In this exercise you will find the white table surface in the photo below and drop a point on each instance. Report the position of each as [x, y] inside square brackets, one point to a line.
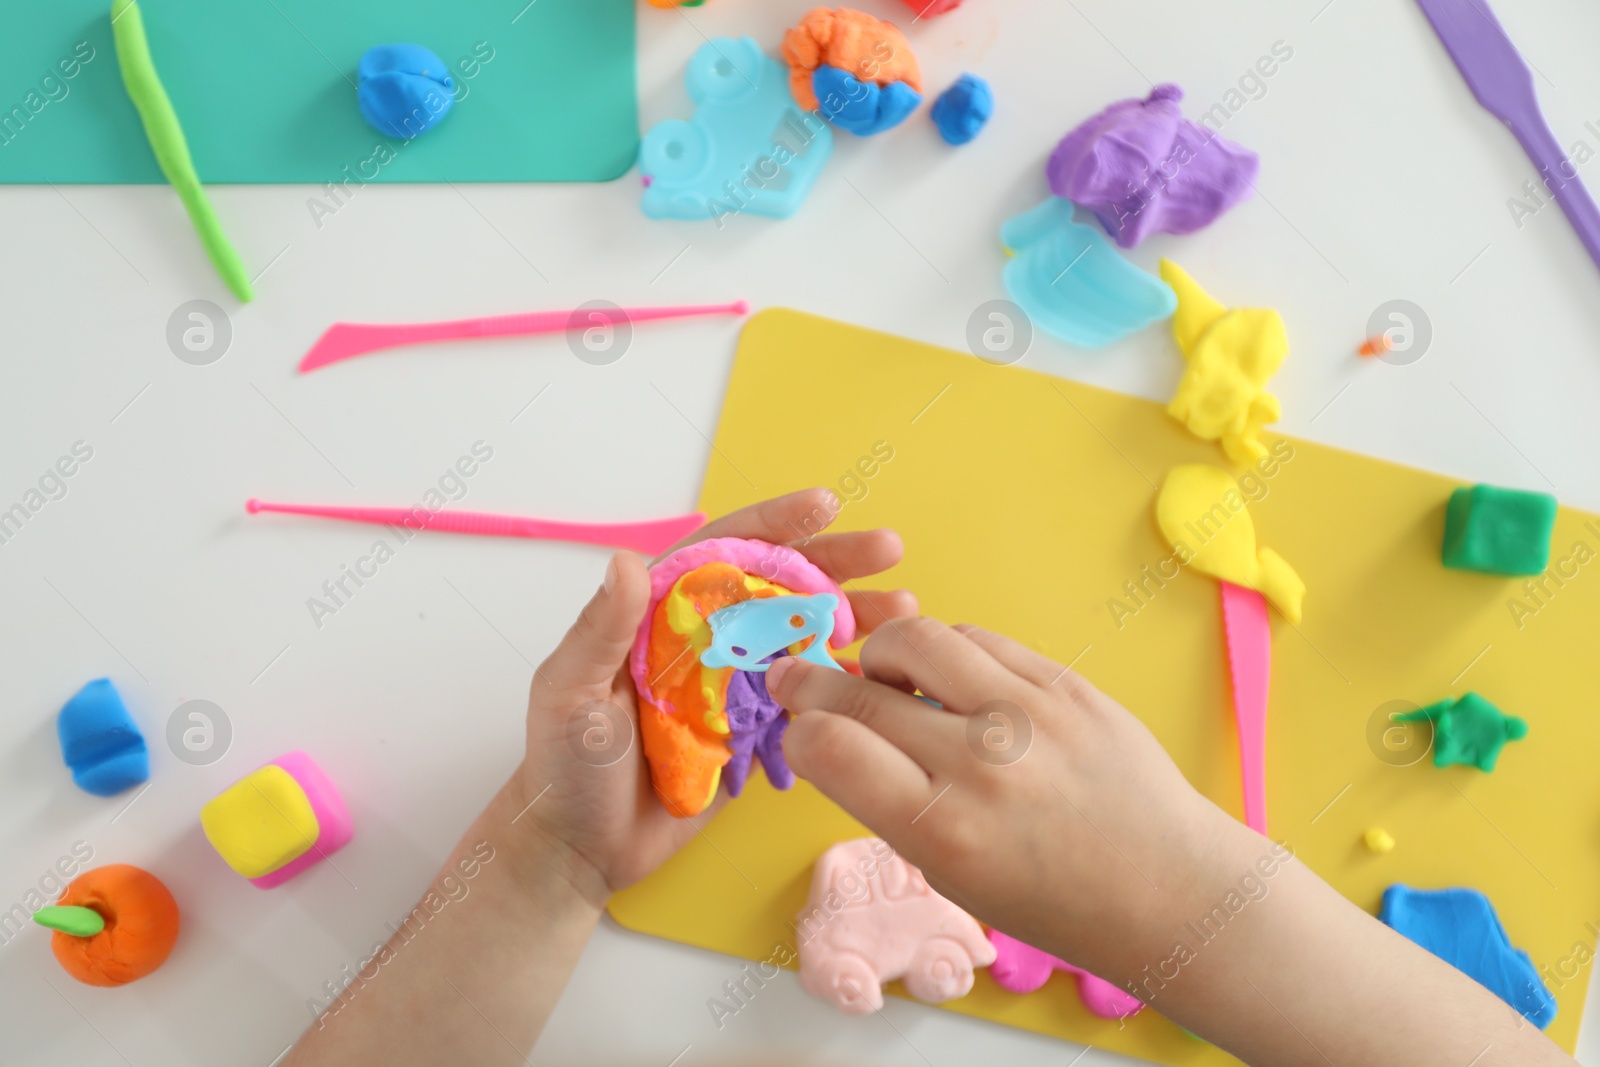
[1381, 179]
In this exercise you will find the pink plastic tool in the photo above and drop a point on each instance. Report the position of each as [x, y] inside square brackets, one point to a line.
[650, 538]
[1020, 968]
[1244, 619]
[343, 340]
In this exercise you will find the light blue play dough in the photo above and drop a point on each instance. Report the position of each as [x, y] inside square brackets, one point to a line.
[862, 108]
[961, 110]
[1073, 284]
[100, 743]
[403, 89]
[749, 146]
[1460, 927]
[746, 634]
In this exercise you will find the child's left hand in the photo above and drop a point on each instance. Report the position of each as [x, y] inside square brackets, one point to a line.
[583, 793]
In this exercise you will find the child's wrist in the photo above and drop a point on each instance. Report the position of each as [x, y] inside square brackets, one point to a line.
[540, 864]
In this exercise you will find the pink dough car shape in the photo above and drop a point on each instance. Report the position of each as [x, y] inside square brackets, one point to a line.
[1021, 968]
[872, 918]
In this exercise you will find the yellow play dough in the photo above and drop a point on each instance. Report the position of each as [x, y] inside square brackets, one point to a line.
[1379, 840]
[1203, 515]
[261, 822]
[1231, 355]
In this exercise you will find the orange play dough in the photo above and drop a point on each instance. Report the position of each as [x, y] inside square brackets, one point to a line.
[868, 48]
[141, 926]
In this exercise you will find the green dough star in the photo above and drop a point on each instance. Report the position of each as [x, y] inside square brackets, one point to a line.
[1469, 731]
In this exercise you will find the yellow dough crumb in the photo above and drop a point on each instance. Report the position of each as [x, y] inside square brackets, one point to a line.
[1378, 840]
[1231, 354]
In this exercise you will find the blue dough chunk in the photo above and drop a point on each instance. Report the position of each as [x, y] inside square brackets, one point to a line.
[862, 108]
[1460, 927]
[100, 743]
[404, 89]
[963, 109]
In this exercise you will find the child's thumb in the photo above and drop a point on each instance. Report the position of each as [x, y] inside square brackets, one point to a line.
[596, 647]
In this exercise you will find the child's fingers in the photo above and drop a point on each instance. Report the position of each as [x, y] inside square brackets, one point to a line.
[783, 518]
[862, 772]
[921, 732]
[1035, 667]
[592, 652]
[874, 607]
[940, 663]
[853, 554]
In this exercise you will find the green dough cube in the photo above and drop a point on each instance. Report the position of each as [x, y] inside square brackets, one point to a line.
[1498, 531]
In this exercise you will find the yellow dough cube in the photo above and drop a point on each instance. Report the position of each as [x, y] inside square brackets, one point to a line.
[261, 822]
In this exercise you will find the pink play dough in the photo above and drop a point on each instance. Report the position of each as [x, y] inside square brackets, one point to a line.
[333, 819]
[872, 918]
[1021, 968]
[779, 564]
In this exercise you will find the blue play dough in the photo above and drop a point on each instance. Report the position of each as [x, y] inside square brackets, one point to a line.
[1460, 927]
[1073, 284]
[749, 147]
[404, 89]
[748, 634]
[961, 110]
[100, 743]
[862, 108]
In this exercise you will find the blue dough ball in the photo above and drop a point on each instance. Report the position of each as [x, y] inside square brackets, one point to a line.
[100, 743]
[862, 108]
[404, 89]
[963, 109]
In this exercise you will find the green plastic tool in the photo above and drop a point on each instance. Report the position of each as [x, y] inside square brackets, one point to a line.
[165, 134]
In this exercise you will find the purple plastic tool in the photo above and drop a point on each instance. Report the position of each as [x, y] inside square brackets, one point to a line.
[1499, 77]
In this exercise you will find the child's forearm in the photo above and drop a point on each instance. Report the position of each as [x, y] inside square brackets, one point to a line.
[470, 976]
[1275, 966]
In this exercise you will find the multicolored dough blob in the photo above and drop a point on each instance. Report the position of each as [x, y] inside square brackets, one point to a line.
[1206, 520]
[1143, 168]
[694, 720]
[1231, 355]
[878, 82]
[138, 925]
[871, 918]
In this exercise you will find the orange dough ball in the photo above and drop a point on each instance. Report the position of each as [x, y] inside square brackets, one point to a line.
[141, 926]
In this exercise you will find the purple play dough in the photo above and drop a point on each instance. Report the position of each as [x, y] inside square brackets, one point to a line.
[756, 724]
[1143, 168]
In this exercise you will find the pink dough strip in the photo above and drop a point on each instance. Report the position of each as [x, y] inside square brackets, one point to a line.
[343, 340]
[649, 537]
[1244, 618]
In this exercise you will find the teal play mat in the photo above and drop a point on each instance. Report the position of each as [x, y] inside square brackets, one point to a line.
[265, 90]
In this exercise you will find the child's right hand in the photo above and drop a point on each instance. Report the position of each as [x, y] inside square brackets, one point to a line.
[1088, 842]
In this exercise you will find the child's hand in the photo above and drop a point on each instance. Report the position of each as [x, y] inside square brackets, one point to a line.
[1089, 844]
[583, 790]
[1031, 798]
